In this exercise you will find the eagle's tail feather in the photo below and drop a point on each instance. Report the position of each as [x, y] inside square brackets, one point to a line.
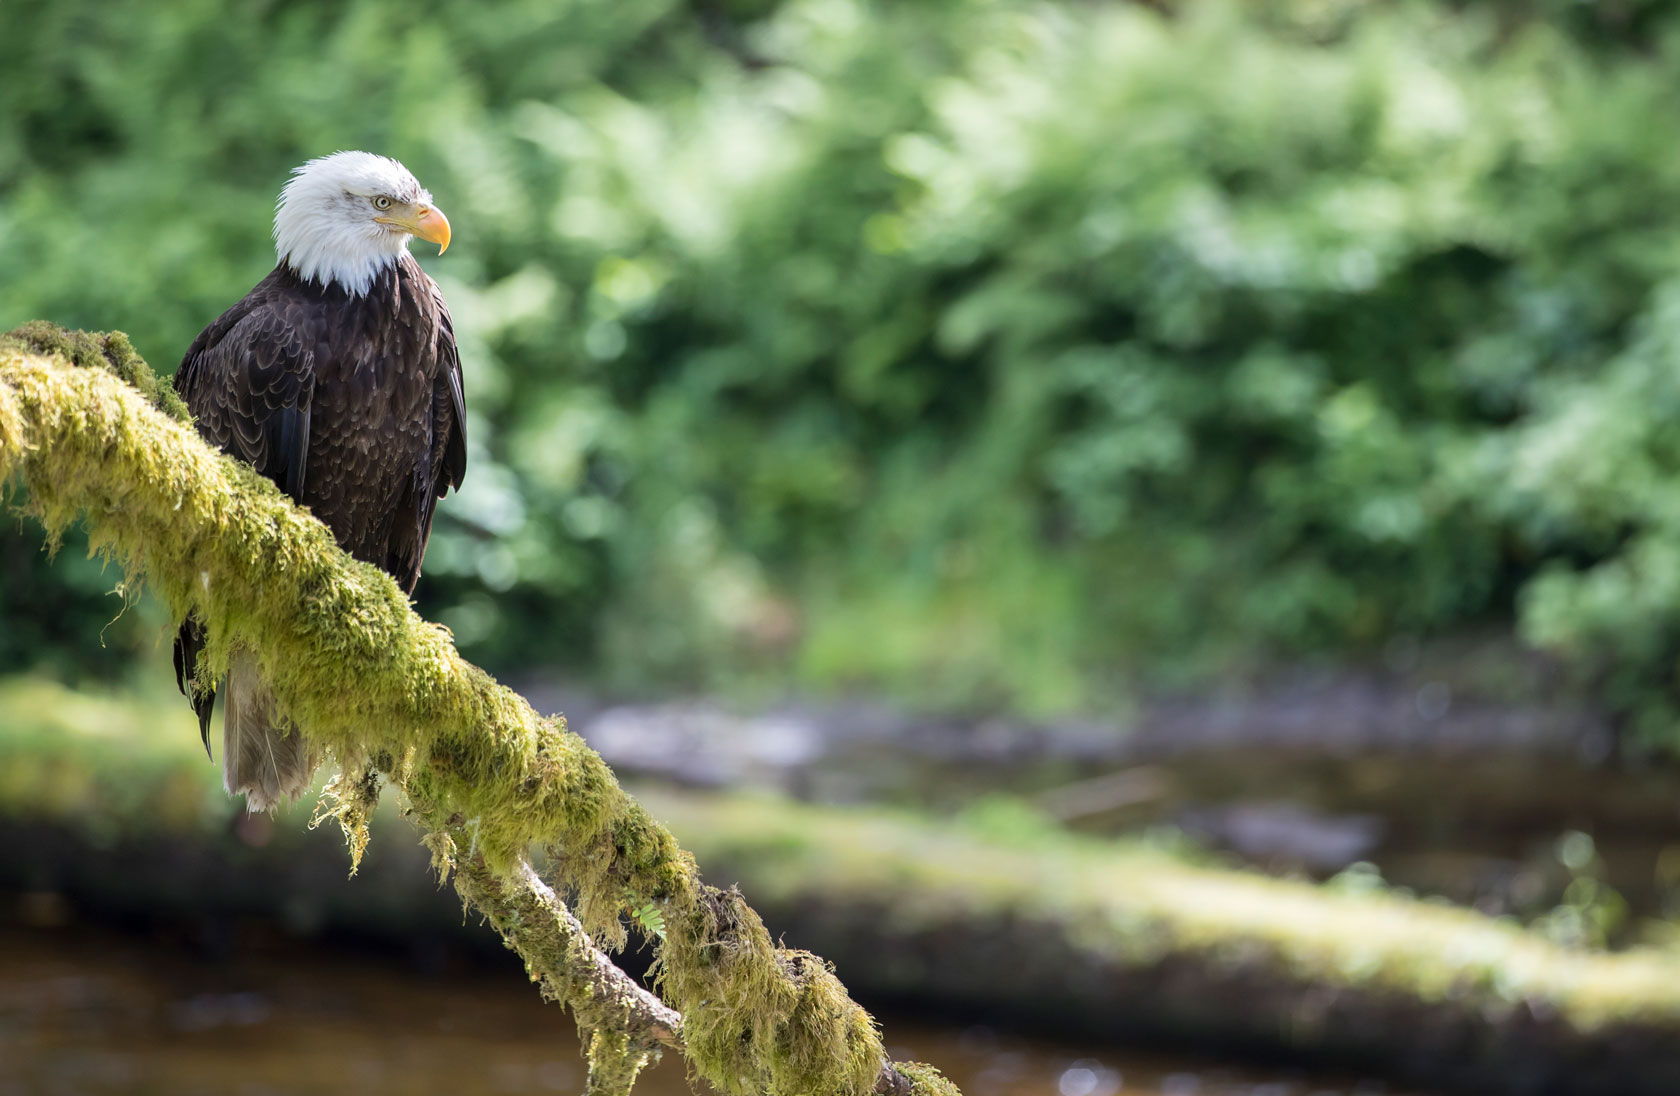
[261, 757]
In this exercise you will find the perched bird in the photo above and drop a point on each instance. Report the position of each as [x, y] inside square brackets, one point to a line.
[337, 377]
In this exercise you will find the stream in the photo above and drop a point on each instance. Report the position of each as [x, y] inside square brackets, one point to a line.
[89, 1012]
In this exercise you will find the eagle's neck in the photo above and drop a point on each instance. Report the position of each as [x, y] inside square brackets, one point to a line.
[322, 251]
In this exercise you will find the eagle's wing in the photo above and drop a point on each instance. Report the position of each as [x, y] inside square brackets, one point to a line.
[248, 379]
[448, 464]
[452, 468]
[250, 392]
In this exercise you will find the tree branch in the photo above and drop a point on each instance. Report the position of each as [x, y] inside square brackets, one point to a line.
[386, 693]
[573, 971]
[559, 955]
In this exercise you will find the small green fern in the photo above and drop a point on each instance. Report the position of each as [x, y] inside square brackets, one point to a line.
[645, 913]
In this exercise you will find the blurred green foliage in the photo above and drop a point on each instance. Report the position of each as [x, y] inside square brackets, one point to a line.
[981, 352]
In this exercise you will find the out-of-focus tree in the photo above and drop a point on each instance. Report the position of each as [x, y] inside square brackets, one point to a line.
[985, 352]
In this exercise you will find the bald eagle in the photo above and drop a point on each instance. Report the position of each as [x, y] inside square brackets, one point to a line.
[337, 377]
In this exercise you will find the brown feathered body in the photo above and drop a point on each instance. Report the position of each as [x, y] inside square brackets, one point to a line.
[352, 404]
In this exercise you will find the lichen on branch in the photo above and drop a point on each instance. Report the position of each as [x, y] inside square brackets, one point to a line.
[90, 433]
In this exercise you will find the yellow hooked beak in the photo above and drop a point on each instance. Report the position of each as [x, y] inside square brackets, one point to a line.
[426, 222]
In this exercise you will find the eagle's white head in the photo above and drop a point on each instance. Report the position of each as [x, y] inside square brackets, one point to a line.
[343, 218]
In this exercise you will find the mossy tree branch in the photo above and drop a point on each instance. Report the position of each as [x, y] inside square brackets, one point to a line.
[624, 1025]
[386, 694]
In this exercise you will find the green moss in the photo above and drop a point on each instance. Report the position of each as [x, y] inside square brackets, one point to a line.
[98, 350]
[783, 1008]
[614, 1063]
[385, 694]
[927, 1081]
[1140, 907]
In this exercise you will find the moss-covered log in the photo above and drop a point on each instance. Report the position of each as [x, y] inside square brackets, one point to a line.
[90, 433]
[1006, 914]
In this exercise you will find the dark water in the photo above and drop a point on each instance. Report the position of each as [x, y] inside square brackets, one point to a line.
[88, 1014]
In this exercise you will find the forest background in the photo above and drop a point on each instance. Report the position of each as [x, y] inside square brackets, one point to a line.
[983, 355]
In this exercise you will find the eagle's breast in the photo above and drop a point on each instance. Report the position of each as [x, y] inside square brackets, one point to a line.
[371, 436]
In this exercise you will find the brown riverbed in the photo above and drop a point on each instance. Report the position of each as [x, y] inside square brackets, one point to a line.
[86, 1012]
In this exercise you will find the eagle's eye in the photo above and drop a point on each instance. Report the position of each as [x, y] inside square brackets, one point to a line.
[382, 202]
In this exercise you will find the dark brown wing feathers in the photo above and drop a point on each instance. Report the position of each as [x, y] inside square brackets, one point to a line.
[248, 380]
[453, 467]
[352, 405]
